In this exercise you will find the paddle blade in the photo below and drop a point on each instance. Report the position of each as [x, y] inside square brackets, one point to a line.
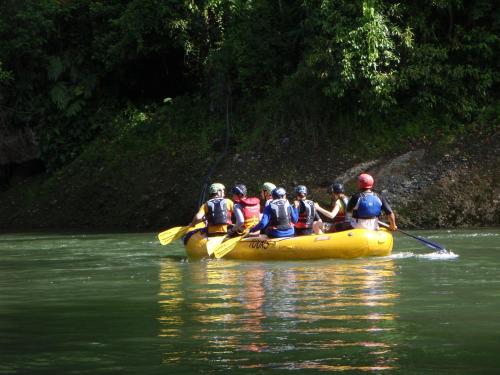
[172, 234]
[425, 241]
[213, 242]
[226, 247]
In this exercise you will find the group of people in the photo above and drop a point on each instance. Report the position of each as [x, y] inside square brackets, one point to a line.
[280, 218]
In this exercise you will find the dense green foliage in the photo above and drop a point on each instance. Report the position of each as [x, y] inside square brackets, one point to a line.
[74, 69]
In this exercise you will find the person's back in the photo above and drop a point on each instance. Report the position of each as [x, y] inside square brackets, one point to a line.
[366, 206]
[278, 216]
[306, 211]
[216, 211]
[246, 210]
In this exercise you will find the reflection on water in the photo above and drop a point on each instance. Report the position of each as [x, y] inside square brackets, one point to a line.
[327, 316]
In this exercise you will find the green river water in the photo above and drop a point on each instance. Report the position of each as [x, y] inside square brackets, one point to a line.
[123, 304]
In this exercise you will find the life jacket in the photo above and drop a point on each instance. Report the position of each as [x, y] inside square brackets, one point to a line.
[251, 211]
[341, 215]
[368, 206]
[218, 213]
[307, 212]
[280, 214]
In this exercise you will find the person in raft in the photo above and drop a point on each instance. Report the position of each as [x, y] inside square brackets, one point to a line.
[306, 210]
[246, 210]
[366, 206]
[338, 219]
[278, 216]
[216, 211]
[266, 192]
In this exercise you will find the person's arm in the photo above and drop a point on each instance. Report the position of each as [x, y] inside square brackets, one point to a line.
[264, 220]
[392, 221]
[240, 219]
[230, 205]
[200, 215]
[386, 208]
[351, 204]
[294, 214]
[327, 213]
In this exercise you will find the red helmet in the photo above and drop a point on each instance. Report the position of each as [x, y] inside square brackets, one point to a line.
[365, 181]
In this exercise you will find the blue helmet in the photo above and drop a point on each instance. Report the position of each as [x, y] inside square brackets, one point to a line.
[301, 189]
[278, 193]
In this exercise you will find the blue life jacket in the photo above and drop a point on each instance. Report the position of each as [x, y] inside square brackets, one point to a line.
[368, 206]
[280, 214]
[217, 211]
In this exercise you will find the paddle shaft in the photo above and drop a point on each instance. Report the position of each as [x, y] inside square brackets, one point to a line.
[428, 243]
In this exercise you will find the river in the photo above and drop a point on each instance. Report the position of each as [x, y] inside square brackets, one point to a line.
[123, 304]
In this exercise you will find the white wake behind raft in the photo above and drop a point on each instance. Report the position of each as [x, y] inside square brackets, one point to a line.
[437, 255]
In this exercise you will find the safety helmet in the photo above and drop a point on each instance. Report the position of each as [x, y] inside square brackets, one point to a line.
[239, 189]
[268, 186]
[365, 181]
[278, 193]
[301, 189]
[336, 188]
[214, 188]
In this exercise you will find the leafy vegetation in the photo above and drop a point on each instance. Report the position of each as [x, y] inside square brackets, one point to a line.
[377, 72]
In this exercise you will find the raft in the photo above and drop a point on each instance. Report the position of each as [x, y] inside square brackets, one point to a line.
[348, 244]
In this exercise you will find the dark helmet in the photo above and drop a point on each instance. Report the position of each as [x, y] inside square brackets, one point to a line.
[301, 189]
[336, 188]
[278, 193]
[239, 189]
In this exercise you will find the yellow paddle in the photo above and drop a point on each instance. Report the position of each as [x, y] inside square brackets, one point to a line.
[172, 234]
[213, 242]
[227, 246]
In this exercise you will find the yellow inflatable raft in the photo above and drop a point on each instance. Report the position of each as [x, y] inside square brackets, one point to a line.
[352, 243]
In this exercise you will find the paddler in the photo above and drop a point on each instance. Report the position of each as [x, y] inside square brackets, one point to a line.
[278, 216]
[338, 215]
[306, 210]
[366, 206]
[246, 210]
[216, 211]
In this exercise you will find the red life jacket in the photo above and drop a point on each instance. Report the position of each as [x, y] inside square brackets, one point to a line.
[251, 210]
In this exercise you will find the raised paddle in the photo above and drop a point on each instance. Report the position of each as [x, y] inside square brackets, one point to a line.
[227, 246]
[426, 242]
[172, 234]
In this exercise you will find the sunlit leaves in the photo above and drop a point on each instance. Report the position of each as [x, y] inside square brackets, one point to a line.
[357, 52]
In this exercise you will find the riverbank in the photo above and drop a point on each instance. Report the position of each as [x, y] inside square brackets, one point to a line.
[438, 185]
